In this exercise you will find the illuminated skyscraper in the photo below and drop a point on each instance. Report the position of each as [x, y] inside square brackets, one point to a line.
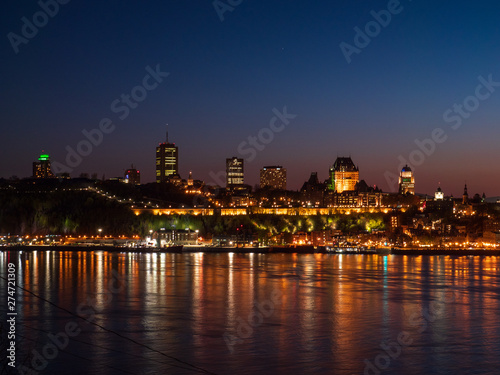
[234, 172]
[344, 175]
[274, 177]
[132, 176]
[167, 161]
[406, 181]
[41, 168]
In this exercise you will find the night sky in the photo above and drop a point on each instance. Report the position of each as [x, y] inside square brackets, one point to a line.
[226, 78]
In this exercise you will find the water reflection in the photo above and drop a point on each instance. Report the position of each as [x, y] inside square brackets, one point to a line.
[286, 313]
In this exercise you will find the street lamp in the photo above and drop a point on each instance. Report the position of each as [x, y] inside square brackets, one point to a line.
[100, 231]
[197, 231]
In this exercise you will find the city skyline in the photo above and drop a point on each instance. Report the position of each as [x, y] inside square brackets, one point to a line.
[343, 174]
[227, 81]
[250, 187]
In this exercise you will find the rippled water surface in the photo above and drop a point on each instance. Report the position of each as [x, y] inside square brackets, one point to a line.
[255, 314]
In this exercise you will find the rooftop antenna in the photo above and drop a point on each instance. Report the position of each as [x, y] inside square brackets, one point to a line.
[167, 132]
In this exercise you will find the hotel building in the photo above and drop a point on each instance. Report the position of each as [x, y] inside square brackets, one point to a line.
[41, 168]
[273, 177]
[132, 176]
[234, 172]
[344, 175]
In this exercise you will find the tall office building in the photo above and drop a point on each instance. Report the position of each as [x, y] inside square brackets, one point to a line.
[234, 172]
[41, 168]
[406, 181]
[344, 175]
[167, 160]
[274, 177]
[132, 176]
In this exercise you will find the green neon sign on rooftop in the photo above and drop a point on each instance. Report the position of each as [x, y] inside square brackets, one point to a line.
[43, 157]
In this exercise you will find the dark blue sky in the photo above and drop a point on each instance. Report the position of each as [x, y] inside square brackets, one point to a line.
[227, 77]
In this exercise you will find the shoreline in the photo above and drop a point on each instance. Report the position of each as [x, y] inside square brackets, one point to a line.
[261, 250]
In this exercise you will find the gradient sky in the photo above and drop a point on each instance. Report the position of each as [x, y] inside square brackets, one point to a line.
[227, 77]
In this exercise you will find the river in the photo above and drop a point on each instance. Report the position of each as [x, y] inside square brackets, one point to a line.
[101, 312]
